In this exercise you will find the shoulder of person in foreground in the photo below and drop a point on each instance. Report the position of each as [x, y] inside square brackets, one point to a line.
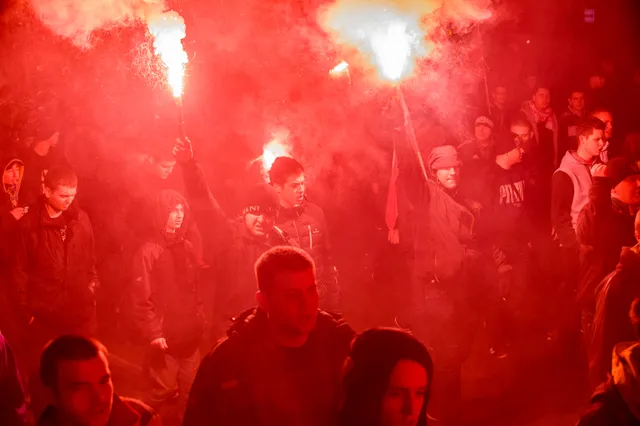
[148, 417]
[607, 408]
[333, 327]
[218, 385]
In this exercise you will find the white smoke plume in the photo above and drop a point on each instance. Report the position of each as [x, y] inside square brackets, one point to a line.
[77, 20]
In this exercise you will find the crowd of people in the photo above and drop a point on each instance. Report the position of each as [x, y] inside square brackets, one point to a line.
[533, 220]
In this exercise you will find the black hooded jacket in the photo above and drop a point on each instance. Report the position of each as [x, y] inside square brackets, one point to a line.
[9, 200]
[164, 289]
[305, 227]
[611, 323]
[248, 380]
[54, 271]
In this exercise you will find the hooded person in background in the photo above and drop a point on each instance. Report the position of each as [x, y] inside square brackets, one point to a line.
[13, 209]
[616, 402]
[611, 323]
[387, 380]
[303, 225]
[605, 226]
[166, 303]
[281, 362]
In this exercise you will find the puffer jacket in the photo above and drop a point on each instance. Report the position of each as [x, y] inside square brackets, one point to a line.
[54, 271]
[305, 227]
[248, 380]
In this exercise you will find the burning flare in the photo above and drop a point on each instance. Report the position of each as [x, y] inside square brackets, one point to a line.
[390, 37]
[272, 150]
[168, 30]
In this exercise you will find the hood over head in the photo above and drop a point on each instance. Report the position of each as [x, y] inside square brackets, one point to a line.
[166, 201]
[7, 160]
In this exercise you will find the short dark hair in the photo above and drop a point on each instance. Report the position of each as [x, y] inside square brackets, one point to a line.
[66, 348]
[576, 90]
[540, 85]
[283, 168]
[596, 111]
[588, 125]
[521, 122]
[497, 85]
[278, 259]
[60, 176]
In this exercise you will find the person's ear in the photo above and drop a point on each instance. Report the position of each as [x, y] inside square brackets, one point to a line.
[47, 191]
[262, 301]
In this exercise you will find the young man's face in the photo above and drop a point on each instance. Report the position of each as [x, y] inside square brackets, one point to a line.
[576, 101]
[60, 198]
[292, 191]
[542, 99]
[259, 225]
[482, 133]
[162, 168]
[593, 143]
[84, 391]
[292, 303]
[500, 96]
[628, 191]
[449, 177]
[11, 175]
[523, 133]
[607, 119]
[176, 217]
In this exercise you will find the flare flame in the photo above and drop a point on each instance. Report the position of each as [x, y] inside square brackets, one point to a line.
[168, 30]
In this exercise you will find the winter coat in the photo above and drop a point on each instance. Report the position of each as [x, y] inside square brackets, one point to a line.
[611, 323]
[444, 232]
[616, 402]
[247, 380]
[13, 406]
[124, 412]
[164, 290]
[305, 227]
[54, 272]
[236, 250]
[604, 228]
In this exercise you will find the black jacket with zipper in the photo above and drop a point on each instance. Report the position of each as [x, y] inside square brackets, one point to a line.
[305, 227]
[54, 269]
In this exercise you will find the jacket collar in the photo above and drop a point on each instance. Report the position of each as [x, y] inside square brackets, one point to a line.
[121, 415]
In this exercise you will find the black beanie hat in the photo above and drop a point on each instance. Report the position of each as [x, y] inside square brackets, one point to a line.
[374, 355]
[260, 198]
[619, 168]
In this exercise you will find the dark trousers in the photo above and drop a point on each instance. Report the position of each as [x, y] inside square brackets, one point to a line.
[170, 378]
